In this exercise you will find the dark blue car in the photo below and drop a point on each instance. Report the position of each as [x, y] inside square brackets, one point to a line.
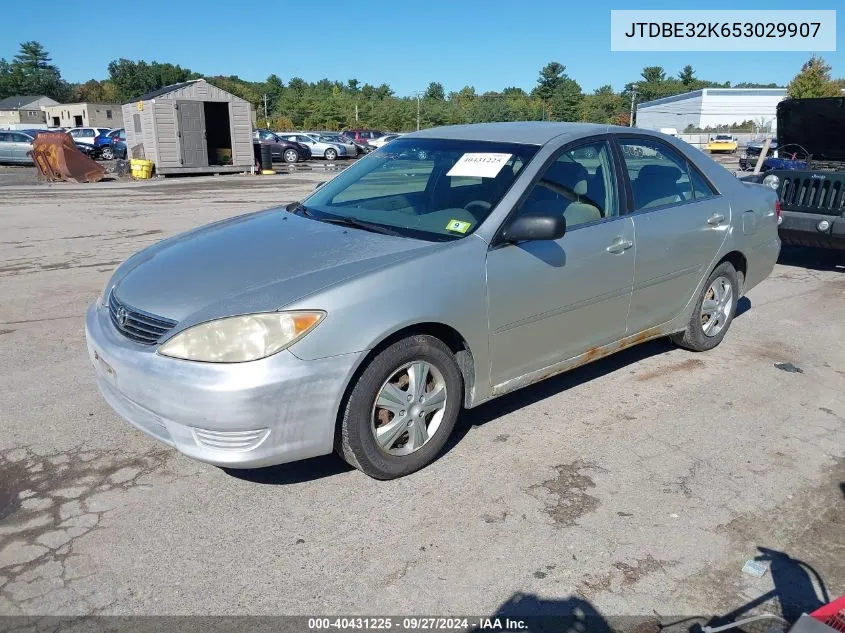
[111, 144]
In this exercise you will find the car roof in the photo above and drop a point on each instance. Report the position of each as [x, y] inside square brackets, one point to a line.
[525, 132]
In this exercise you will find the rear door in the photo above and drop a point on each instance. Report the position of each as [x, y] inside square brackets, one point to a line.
[19, 147]
[680, 223]
[192, 133]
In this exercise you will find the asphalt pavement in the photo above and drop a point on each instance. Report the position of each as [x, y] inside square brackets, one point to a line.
[638, 485]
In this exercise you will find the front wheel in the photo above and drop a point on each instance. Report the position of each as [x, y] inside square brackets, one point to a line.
[291, 156]
[713, 312]
[107, 153]
[331, 154]
[402, 409]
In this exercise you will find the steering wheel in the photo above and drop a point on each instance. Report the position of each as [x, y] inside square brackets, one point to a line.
[482, 204]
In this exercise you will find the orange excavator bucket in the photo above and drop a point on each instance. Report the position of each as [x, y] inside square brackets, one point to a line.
[57, 158]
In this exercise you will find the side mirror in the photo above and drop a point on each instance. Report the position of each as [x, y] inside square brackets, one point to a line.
[535, 227]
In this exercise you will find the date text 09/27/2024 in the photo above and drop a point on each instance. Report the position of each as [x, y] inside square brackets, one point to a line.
[418, 624]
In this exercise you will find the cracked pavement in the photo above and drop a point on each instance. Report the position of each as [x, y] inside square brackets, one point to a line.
[638, 484]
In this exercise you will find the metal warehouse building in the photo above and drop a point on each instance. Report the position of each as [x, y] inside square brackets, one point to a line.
[191, 127]
[712, 107]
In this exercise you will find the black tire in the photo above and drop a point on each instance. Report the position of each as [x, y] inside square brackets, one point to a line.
[290, 156]
[693, 337]
[330, 154]
[356, 441]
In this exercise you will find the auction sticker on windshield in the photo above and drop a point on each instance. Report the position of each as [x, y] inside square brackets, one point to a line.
[458, 226]
[480, 165]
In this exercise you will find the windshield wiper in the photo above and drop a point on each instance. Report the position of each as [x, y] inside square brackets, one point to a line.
[348, 220]
[298, 208]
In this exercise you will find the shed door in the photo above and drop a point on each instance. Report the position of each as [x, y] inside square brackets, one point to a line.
[192, 132]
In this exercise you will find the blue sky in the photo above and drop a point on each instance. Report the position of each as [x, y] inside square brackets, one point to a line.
[488, 44]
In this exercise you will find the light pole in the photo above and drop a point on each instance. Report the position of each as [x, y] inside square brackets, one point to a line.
[633, 98]
[418, 112]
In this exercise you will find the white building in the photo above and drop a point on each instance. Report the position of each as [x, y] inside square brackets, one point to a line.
[712, 107]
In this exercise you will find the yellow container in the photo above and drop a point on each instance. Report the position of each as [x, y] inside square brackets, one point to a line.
[141, 168]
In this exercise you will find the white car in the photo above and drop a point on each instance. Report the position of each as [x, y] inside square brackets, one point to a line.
[87, 134]
[383, 140]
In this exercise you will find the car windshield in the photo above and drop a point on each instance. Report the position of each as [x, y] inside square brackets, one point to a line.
[431, 189]
[724, 137]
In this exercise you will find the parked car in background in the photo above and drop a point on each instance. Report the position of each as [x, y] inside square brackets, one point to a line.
[87, 134]
[365, 137]
[282, 149]
[352, 149]
[751, 152]
[15, 146]
[319, 149]
[722, 144]
[384, 140]
[107, 144]
[808, 172]
[279, 335]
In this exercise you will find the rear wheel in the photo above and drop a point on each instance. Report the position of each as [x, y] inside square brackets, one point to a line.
[713, 312]
[107, 153]
[291, 156]
[402, 409]
[331, 154]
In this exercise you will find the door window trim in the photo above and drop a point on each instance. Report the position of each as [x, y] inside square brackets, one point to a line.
[629, 190]
[621, 201]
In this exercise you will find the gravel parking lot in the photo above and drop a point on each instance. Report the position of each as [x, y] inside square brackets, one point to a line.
[638, 485]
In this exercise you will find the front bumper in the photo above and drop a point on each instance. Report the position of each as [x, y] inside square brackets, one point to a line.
[242, 415]
[802, 229]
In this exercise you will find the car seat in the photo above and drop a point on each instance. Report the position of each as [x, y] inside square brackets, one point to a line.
[656, 185]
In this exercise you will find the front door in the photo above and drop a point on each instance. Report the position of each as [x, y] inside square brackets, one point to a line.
[680, 223]
[553, 300]
[192, 133]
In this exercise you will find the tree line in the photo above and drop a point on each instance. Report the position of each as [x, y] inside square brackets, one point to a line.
[331, 105]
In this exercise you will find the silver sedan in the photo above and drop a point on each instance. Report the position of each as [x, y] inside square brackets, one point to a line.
[319, 147]
[450, 267]
[15, 147]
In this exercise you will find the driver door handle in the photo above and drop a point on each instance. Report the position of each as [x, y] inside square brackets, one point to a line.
[619, 246]
[716, 219]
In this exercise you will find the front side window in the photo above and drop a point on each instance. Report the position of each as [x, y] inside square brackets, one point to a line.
[579, 185]
[431, 189]
[658, 174]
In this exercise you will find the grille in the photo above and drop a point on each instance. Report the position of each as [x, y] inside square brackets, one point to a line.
[137, 325]
[800, 192]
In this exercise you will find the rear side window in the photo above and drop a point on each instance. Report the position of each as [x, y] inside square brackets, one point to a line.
[700, 187]
[658, 174]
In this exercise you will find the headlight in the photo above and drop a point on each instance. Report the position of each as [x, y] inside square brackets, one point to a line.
[771, 181]
[241, 338]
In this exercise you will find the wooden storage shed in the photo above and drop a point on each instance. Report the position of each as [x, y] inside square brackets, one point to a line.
[190, 127]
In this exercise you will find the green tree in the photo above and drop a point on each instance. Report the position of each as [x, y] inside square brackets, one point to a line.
[687, 75]
[31, 73]
[813, 81]
[435, 91]
[654, 74]
[551, 77]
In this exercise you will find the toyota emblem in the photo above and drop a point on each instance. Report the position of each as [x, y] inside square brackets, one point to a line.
[121, 316]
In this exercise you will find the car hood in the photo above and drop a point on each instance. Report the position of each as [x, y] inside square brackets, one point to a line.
[254, 263]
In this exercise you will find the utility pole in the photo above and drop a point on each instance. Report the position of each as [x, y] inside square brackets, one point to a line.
[356, 113]
[266, 120]
[633, 98]
[418, 112]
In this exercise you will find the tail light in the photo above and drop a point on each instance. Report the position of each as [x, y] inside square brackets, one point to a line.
[778, 211]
